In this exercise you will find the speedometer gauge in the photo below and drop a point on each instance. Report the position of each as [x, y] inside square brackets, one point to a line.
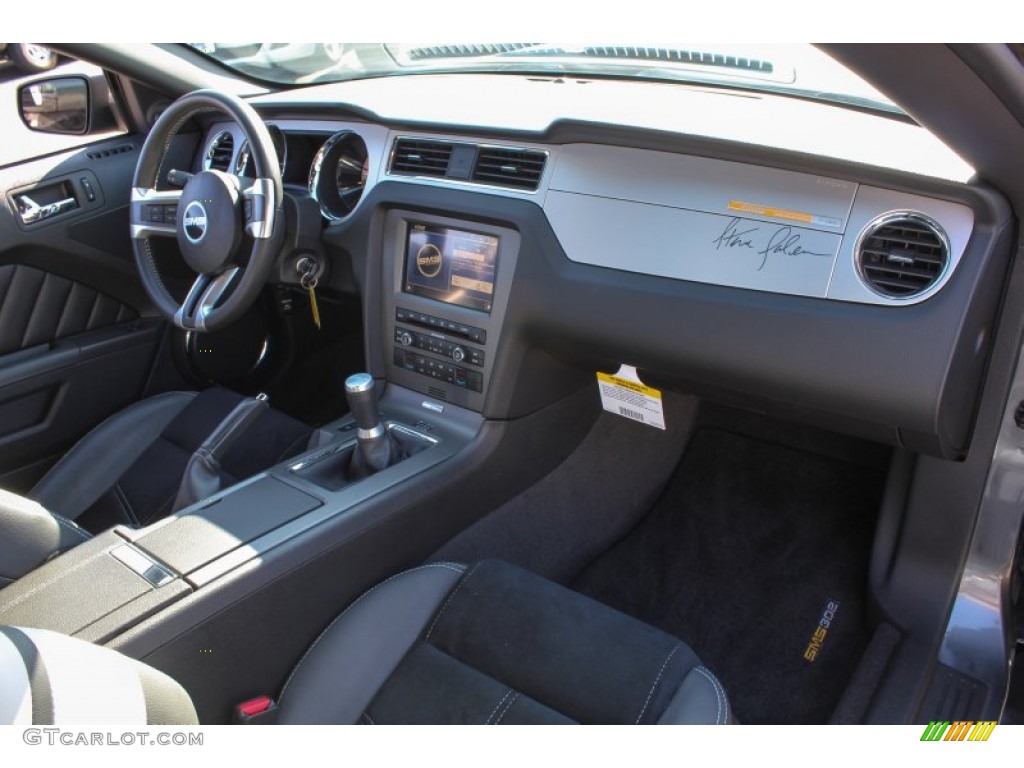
[242, 167]
[338, 174]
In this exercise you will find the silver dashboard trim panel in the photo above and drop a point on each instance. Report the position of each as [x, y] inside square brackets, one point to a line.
[724, 223]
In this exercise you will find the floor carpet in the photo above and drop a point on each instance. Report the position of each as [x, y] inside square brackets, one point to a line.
[742, 555]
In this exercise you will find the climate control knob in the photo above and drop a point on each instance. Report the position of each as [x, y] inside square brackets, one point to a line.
[405, 338]
[458, 354]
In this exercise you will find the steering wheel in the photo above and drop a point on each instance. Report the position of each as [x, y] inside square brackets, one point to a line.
[209, 217]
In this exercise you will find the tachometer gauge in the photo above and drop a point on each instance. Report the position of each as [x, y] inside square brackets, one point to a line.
[338, 174]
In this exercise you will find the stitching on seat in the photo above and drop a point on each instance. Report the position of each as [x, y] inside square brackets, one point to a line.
[506, 709]
[63, 521]
[656, 681]
[46, 584]
[497, 706]
[719, 694]
[450, 566]
[448, 602]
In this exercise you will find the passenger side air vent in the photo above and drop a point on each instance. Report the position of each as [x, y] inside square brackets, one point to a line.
[902, 255]
[418, 157]
[221, 152]
[520, 168]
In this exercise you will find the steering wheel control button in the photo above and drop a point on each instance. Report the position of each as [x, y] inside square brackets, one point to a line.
[210, 229]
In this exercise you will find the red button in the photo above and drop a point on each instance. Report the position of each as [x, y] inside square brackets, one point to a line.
[255, 706]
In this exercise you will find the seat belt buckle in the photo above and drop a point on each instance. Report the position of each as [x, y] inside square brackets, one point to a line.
[259, 711]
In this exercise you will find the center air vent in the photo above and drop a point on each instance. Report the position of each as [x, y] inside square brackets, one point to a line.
[511, 167]
[521, 168]
[902, 255]
[221, 151]
[421, 158]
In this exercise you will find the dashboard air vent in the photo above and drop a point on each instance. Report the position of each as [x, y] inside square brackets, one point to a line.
[221, 152]
[902, 255]
[520, 168]
[419, 157]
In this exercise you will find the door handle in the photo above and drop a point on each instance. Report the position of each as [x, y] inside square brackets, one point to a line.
[31, 212]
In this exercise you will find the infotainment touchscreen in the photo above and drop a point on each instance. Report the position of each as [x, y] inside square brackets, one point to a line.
[451, 265]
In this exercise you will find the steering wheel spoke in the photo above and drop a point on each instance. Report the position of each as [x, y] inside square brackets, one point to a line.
[154, 212]
[202, 298]
[259, 207]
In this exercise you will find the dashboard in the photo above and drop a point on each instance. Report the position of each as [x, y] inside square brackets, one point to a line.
[502, 260]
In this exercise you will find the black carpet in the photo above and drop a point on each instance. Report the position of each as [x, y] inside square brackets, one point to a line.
[586, 504]
[740, 557]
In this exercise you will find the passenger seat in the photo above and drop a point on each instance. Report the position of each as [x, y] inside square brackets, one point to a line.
[444, 643]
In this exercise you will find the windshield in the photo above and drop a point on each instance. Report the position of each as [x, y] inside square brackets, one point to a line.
[799, 70]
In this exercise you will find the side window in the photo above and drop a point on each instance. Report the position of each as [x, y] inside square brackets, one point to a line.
[50, 103]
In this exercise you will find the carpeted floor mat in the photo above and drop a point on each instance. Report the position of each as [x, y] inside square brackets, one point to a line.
[741, 557]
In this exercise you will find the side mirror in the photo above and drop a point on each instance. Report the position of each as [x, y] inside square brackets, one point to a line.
[56, 105]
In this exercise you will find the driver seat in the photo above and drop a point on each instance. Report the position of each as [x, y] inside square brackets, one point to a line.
[129, 470]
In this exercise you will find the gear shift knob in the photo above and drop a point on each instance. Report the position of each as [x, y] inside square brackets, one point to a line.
[362, 402]
[376, 449]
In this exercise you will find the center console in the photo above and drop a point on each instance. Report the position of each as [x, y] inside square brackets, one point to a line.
[227, 594]
[446, 290]
[149, 569]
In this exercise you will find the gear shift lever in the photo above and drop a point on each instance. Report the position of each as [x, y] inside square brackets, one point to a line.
[376, 449]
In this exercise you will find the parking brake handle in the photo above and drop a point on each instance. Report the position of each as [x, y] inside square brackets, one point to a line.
[202, 474]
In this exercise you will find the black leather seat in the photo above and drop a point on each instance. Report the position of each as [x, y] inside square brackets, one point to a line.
[492, 644]
[129, 469]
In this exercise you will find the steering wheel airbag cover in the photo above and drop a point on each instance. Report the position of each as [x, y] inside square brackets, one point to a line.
[209, 222]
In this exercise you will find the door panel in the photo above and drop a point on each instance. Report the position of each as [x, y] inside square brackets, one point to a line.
[52, 394]
[78, 335]
[37, 307]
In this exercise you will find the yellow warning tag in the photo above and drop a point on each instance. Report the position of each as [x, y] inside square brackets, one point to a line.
[624, 394]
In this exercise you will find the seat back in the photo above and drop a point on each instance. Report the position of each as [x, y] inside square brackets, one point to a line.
[51, 679]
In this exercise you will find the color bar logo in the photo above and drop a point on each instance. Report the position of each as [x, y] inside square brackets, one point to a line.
[961, 730]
